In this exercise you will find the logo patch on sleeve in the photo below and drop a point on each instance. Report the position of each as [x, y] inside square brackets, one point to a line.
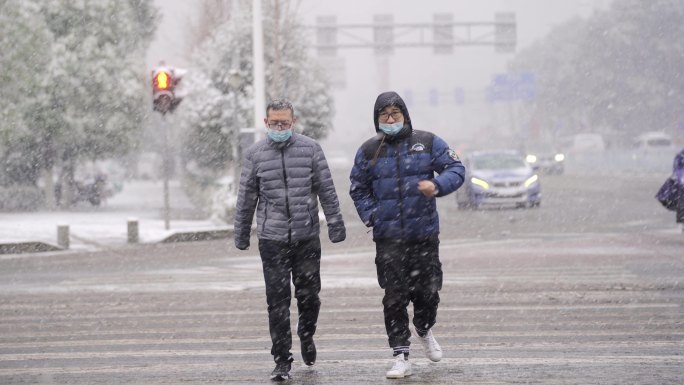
[452, 154]
[418, 147]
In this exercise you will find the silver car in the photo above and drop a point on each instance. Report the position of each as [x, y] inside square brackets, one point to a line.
[545, 159]
[499, 178]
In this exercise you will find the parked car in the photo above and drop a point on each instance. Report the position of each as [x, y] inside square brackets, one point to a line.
[544, 158]
[653, 140]
[498, 178]
[93, 190]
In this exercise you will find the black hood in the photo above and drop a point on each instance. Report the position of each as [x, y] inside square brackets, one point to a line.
[390, 98]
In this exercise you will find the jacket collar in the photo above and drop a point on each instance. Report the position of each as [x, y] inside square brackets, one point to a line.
[281, 145]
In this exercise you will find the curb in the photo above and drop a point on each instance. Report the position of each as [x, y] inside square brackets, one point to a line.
[27, 247]
[191, 236]
[185, 236]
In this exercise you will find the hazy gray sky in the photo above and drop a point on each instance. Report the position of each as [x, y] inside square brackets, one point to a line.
[414, 70]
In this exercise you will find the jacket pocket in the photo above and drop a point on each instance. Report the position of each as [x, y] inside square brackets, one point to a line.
[436, 266]
[263, 225]
[308, 210]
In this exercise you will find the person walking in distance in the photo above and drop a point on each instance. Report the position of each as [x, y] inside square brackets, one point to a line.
[397, 175]
[283, 178]
[678, 176]
[671, 193]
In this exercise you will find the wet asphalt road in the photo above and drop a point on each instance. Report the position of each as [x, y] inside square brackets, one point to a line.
[587, 289]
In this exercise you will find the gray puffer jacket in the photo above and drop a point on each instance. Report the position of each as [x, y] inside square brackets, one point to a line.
[284, 182]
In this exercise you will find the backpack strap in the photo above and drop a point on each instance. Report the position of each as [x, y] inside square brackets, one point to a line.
[372, 146]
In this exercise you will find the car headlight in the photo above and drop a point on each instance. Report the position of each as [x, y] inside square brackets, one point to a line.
[531, 180]
[531, 158]
[559, 157]
[479, 182]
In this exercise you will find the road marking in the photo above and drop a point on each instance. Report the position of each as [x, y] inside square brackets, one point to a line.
[321, 365]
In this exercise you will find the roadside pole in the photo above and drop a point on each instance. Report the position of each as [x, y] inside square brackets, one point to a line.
[165, 81]
[166, 171]
[258, 49]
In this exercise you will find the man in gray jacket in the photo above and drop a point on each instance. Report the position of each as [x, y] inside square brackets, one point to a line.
[283, 177]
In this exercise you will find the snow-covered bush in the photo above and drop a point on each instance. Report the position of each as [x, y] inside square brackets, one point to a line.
[20, 198]
[219, 98]
[74, 84]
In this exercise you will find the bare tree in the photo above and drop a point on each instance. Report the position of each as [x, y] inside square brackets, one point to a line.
[212, 14]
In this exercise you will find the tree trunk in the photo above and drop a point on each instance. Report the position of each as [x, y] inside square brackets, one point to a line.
[49, 189]
[68, 184]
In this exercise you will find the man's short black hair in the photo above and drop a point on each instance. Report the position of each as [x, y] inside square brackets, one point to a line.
[279, 105]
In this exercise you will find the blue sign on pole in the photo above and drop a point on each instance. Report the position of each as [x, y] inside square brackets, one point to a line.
[525, 87]
[508, 87]
[500, 89]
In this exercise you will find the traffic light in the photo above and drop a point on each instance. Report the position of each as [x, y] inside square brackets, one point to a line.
[505, 32]
[164, 83]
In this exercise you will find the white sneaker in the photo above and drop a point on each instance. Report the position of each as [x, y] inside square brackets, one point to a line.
[432, 349]
[401, 368]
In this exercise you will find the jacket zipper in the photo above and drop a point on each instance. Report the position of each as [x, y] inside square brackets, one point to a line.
[401, 198]
[287, 199]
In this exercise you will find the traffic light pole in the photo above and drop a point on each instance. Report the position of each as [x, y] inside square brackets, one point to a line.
[165, 99]
[258, 67]
[166, 171]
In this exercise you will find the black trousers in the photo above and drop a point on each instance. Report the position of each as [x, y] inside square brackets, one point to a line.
[409, 272]
[301, 263]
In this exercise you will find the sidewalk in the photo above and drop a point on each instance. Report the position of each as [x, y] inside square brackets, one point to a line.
[94, 228]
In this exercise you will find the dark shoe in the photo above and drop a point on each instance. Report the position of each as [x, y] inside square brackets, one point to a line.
[281, 372]
[309, 351]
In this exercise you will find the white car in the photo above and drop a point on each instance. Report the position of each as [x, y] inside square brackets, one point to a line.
[653, 141]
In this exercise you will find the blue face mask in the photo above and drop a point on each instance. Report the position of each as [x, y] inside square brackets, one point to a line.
[391, 129]
[279, 136]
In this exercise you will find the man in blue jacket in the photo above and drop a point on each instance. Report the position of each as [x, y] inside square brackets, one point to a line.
[394, 186]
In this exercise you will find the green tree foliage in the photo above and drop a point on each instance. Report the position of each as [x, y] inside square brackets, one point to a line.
[25, 45]
[98, 73]
[620, 70]
[78, 80]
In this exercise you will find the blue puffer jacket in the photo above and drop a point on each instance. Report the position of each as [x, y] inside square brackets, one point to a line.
[385, 176]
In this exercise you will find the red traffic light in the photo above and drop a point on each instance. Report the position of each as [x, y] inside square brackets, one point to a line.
[162, 81]
[164, 87]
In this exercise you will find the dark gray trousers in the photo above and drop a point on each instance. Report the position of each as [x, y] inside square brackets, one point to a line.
[301, 263]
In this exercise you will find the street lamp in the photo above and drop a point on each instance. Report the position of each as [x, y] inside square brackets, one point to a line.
[235, 82]
[258, 66]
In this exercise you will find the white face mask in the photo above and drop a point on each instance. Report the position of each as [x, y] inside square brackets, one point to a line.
[391, 129]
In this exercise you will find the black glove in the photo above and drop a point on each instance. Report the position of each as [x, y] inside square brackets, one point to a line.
[337, 233]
